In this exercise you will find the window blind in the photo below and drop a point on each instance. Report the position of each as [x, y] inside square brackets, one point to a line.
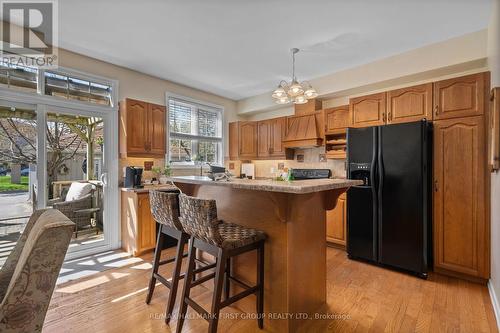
[195, 132]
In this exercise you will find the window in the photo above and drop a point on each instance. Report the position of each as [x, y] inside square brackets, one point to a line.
[71, 87]
[195, 132]
[19, 77]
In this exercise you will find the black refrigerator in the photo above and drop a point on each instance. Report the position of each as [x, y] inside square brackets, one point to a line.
[388, 217]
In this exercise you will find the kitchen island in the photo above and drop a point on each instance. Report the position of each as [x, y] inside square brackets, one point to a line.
[293, 215]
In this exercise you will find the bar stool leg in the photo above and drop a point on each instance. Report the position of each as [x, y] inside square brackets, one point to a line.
[156, 264]
[260, 281]
[187, 285]
[219, 279]
[175, 276]
[227, 284]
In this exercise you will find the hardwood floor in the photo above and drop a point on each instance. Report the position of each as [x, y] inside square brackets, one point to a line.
[363, 297]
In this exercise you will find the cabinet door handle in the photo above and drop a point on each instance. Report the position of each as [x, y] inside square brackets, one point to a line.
[390, 116]
[436, 188]
[436, 110]
[384, 117]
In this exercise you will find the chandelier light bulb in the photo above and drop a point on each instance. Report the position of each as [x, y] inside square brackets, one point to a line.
[279, 93]
[301, 99]
[310, 93]
[295, 89]
[283, 100]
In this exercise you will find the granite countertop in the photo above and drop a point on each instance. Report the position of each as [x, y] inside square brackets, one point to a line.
[295, 186]
[146, 188]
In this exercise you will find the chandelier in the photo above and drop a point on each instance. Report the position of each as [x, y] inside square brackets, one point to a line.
[295, 91]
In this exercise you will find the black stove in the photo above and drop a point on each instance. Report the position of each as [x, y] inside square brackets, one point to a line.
[300, 174]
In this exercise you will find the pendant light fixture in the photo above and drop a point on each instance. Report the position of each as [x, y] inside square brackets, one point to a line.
[295, 91]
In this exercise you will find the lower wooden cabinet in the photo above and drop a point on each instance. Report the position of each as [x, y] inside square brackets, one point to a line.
[461, 223]
[137, 224]
[336, 223]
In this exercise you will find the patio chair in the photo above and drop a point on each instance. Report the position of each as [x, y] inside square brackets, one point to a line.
[28, 278]
[77, 205]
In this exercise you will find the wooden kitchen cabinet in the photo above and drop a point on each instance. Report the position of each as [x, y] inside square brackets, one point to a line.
[461, 222]
[142, 129]
[247, 139]
[271, 133]
[336, 223]
[243, 140]
[263, 138]
[460, 97]
[368, 110]
[409, 104]
[258, 139]
[337, 118]
[156, 123]
[138, 228]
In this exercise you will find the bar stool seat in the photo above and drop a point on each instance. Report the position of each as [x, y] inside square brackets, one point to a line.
[223, 240]
[235, 235]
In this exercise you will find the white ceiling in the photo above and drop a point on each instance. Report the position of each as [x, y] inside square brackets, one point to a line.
[240, 48]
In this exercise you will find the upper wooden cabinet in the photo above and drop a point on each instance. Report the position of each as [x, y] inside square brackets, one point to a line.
[271, 133]
[336, 219]
[156, 122]
[258, 139]
[368, 110]
[461, 232]
[264, 138]
[142, 129]
[278, 132]
[460, 97]
[409, 104]
[337, 118]
[247, 139]
[243, 140]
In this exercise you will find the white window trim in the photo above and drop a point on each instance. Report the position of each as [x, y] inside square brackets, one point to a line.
[40, 97]
[41, 103]
[181, 165]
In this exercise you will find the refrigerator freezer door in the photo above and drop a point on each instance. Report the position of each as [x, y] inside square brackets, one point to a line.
[361, 200]
[401, 195]
[361, 226]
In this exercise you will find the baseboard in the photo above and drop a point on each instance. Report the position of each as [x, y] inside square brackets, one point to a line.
[494, 303]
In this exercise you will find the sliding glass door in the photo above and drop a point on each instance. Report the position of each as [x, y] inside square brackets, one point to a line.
[59, 157]
[77, 161]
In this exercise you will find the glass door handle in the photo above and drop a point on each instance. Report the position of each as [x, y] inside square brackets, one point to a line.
[104, 178]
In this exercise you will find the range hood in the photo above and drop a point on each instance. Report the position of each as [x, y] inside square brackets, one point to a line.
[303, 131]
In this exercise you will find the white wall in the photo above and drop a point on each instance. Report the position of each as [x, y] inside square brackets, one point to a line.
[133, 84]
[461, 54]
[494, 65]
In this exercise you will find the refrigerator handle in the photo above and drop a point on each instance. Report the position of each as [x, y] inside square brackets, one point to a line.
[380, 188]
[373, 180]
[373, 165]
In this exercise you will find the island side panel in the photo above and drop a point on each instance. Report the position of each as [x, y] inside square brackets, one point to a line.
[306, 229]
[265, 211]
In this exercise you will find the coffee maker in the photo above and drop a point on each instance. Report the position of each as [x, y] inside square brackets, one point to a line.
[133, 177]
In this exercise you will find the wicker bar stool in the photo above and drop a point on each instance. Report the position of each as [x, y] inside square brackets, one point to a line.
[222, 240]
[165, 211]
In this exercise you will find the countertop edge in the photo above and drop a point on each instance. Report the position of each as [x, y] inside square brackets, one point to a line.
[274, 187]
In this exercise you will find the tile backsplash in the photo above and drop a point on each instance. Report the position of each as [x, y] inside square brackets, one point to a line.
[139, 162]
[311, 160]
